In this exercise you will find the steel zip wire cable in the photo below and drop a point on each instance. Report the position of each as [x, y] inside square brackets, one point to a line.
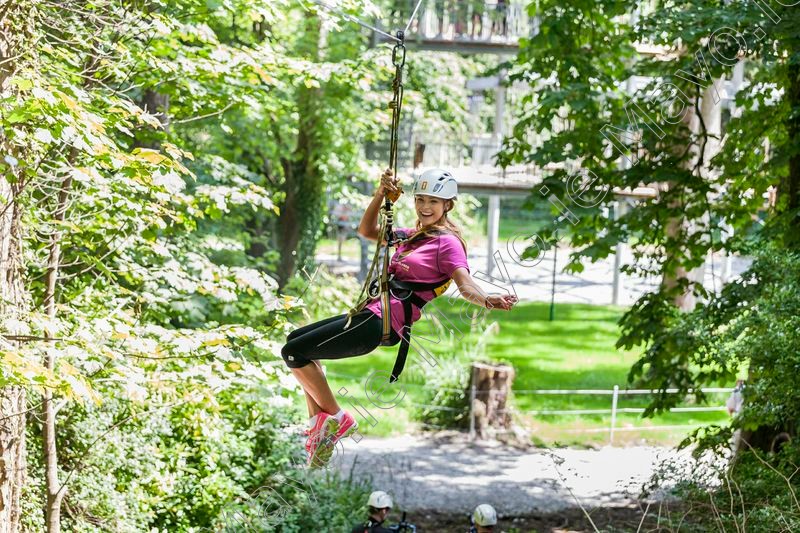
[360, 22]
[355, 19]
[413, 15]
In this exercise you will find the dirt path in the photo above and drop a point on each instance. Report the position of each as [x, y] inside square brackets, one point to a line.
[446, 473]
[605, 519]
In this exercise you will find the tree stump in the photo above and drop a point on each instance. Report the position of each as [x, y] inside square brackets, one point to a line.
[490, 387]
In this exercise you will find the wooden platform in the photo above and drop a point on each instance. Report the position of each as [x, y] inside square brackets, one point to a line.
[461, 46]
[519, 181]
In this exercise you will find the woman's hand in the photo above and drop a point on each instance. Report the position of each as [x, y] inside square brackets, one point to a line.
[501, 301]
[388, 186]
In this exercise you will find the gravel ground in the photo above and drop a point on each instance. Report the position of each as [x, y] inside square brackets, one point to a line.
[604, 519]
[445, 473]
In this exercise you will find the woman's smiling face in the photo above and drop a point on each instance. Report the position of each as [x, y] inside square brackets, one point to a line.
[429, 208]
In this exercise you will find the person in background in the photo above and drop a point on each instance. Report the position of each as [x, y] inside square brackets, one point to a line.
[341, 216]
[442, 7]
[379, 504]
[736, 399]
[484, 519]
[461, 15]
[734, 406]
[500, 24]
[478, 7]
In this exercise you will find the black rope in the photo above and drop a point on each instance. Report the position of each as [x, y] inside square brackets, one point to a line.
[381, 289]
[396, 105]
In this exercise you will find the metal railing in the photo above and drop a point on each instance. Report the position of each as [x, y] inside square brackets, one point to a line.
[613, 411]
[473, 21]
[495, 21]
[479, 152]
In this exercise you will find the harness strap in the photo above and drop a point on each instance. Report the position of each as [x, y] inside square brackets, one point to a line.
[406, 291]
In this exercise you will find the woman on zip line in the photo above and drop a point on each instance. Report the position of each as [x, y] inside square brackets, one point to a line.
[428, 258]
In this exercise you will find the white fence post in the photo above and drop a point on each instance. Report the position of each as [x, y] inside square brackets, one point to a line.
[493, 232]
[613, 413]
[472, 394]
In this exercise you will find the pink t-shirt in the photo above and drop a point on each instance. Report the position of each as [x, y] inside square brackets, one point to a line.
[425, 261]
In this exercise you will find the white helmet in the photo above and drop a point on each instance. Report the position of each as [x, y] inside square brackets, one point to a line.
[484, 515]
[436, 182]
[379, 500]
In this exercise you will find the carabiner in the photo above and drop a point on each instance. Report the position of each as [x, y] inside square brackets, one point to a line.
[401, 40]
[402, 61]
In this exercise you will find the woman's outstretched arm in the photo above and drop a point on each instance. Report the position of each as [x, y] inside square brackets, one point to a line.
[471, 292]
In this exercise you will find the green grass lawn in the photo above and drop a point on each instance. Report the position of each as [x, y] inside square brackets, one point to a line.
[350, 247]
[511, 227]
[576, 351]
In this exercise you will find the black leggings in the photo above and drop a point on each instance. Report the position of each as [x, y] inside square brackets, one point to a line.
[327, 339]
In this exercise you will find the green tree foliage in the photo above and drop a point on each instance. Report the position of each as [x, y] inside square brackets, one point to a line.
[657, 137]
[176, 153]
[732, 188]
[141, 138]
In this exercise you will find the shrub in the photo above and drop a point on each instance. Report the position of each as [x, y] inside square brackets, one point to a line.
[447, 384]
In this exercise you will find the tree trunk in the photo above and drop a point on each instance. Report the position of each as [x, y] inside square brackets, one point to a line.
[12, 399]
[492, 386]
[12, 292]
[55, 493]
[710, 122]
[156, 104]
[261, 228]
[789, 189]
[302, 211]
[771, 438]
[300, 215]
[12, 456]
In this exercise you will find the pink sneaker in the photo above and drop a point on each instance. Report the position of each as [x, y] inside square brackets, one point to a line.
[320, 440]
[347, 427]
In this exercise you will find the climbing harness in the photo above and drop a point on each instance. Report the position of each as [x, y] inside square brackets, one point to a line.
[406, 291]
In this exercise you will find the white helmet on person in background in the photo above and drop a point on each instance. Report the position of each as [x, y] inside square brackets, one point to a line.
[484, 515]
[380, 500]
[436, 182]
